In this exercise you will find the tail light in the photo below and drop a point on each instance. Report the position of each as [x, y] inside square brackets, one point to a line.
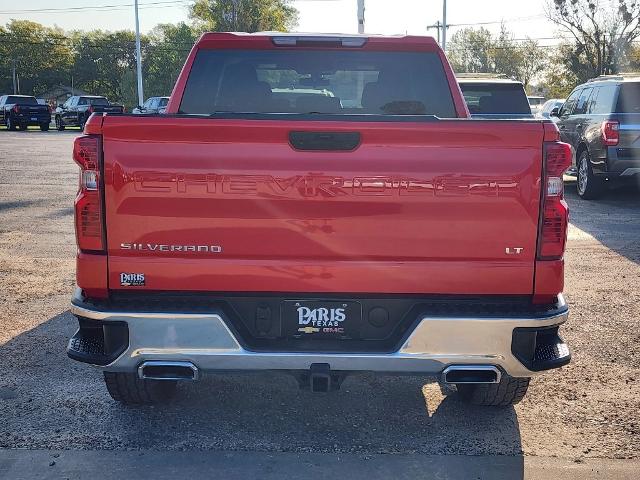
[87, 154]
[555, 212]
[16, 109]
[610, 132]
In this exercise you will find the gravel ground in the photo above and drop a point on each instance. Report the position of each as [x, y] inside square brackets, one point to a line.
[590, 408]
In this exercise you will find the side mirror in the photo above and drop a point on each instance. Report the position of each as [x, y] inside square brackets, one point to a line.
[139, 107]
[555, 112]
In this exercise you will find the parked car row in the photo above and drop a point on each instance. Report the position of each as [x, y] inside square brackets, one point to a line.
[23, 111]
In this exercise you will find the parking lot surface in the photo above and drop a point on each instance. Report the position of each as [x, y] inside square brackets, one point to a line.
[590, 408]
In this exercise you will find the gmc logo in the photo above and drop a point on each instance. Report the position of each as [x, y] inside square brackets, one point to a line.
[319, 185]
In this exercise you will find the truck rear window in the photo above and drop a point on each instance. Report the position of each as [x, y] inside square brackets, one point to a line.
[317, 82]
[495, 98]
[11, 100]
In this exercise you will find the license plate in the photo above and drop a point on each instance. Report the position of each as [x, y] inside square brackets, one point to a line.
[34, 119]
[319, 318]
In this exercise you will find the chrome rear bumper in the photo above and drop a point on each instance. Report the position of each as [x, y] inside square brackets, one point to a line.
[204, 340]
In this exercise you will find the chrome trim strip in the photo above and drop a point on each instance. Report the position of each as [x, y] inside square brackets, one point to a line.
[630, 171]
[158, 363]
[484, 368]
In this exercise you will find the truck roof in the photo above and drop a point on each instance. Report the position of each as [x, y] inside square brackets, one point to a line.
[209, 39]
[485, 80]
[621, 77]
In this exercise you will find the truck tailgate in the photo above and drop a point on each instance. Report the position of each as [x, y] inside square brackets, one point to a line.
[206, 204]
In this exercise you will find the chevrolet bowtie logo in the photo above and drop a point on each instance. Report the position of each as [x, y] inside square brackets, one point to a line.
[308, 330]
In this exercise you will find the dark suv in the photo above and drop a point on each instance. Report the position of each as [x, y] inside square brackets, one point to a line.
[601, 120]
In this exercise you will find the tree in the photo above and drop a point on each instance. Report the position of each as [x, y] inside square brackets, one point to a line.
[508, 57]
[559, 77]
[168, 48]
[471, 50]
[478, 51]
[41, 55]
[244, 15]
[103, 62]
[602, 31]
[533, 61]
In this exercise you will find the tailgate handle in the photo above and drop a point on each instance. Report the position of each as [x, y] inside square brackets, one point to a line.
[324, 140]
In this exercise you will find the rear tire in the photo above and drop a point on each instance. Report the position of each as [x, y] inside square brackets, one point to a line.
[508, 392]
[129, 389]
[59, 124]
[44, 127]
[589, 186]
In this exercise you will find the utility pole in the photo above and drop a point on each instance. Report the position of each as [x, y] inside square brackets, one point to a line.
[138, 58]
[444, 25]
[437, 26]
[15, 83]
[360, 16]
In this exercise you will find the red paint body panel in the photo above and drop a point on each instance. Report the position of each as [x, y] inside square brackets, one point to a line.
[91, 274]
[549, 279]
[416, 208]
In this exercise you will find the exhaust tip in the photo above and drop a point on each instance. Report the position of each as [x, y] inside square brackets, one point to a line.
[471, 374]
[159, 370]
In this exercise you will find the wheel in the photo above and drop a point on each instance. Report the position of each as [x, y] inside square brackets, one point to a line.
[129, 389]
[59, 124]
[509, 391]
[44, 127]
[11, 125]
[589, 186]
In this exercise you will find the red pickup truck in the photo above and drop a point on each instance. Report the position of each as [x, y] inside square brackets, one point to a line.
[319, 206]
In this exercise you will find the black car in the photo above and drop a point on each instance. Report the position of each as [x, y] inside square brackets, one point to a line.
[22, 111]
[601, 120]
[494, 98]
[77, 109]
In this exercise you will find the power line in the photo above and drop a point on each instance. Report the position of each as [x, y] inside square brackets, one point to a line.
[118, 6]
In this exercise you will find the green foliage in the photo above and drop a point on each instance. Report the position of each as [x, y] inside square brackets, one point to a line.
[103, 60]
[560, 77]
[244, 15]
[166, 53]
[39, 57]
[104, 63]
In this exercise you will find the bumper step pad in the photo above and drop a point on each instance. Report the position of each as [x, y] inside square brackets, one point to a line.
[540, 348]
[98, 343]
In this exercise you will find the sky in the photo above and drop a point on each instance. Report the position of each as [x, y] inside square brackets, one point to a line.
[525, 18]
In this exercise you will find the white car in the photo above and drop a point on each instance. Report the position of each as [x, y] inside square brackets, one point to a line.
[536, 103]
[152, 105]
[549, 106]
